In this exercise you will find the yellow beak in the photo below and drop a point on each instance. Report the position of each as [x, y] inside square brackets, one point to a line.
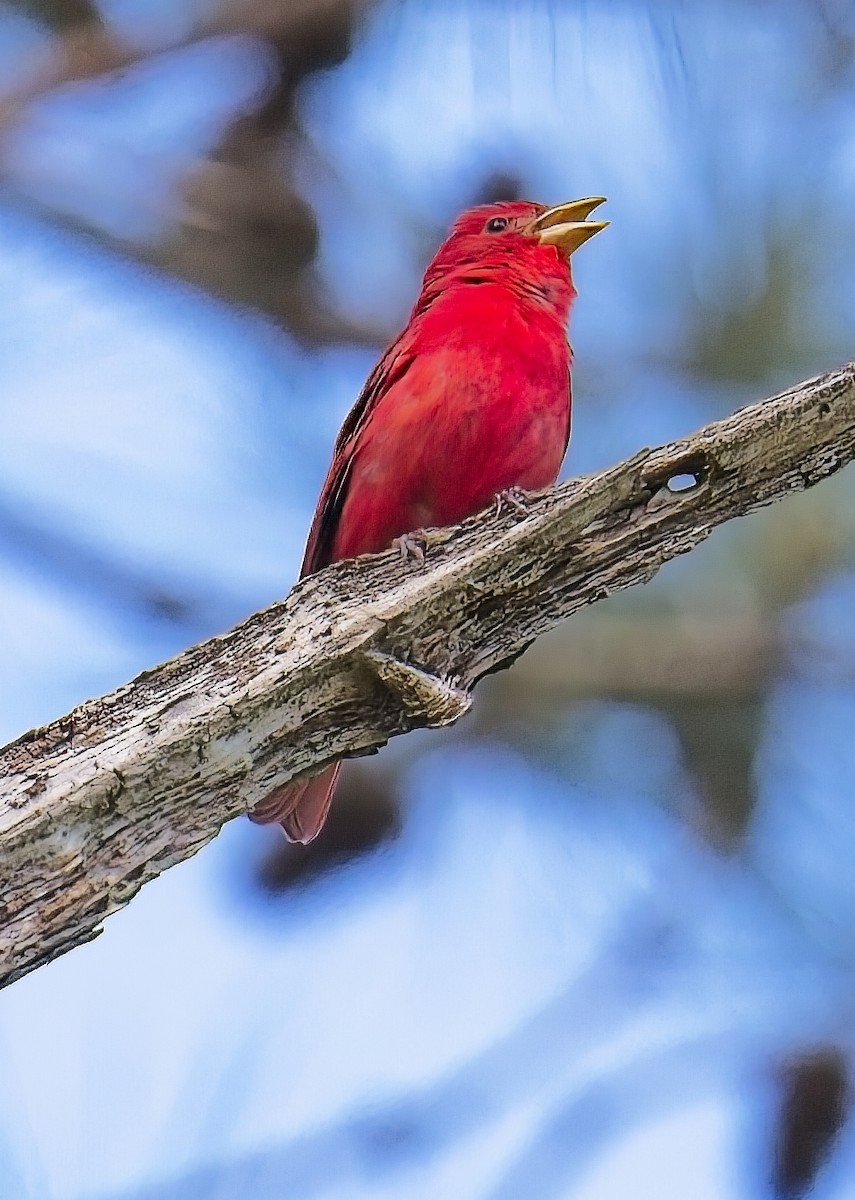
[565, 225]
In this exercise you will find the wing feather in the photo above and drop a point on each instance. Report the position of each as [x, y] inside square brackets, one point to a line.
[389, 370]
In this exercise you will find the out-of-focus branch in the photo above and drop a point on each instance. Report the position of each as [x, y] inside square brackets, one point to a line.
[129, 784]
[125, 590]
[815, 1104]
[59, 15]
[87, 49]
[237, 225]
[625, 656]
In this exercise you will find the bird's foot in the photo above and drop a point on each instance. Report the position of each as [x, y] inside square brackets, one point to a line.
[412, 547]
[515, 498]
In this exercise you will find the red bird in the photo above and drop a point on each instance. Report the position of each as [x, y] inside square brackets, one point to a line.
[471, 401]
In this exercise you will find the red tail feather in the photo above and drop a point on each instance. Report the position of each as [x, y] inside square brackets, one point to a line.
[301, 808]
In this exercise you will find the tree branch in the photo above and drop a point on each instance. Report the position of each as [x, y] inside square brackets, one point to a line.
[104, 799]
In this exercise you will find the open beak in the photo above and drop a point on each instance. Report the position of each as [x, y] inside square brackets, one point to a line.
[566, 225]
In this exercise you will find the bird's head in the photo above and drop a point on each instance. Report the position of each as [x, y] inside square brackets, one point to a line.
[520, 243]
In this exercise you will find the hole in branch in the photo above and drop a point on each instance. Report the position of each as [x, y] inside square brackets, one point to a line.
[682, 473]
[683, 482]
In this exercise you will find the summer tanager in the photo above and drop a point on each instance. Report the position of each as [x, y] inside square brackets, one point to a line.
[471, 402]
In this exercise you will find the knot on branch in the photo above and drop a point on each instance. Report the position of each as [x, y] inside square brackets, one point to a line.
[432, 700]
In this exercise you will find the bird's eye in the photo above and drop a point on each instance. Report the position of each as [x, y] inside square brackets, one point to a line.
[497, 224]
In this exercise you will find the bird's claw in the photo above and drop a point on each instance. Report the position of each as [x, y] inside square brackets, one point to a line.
[515, 498]
[412, 547]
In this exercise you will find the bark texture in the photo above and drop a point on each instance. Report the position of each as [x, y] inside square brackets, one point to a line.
[104, 799]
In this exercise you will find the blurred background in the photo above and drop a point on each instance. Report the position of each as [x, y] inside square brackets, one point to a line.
[598, 941]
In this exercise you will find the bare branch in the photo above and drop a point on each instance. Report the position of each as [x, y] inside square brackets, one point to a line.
[106, 798]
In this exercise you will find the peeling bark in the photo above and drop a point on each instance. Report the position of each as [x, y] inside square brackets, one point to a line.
[104, 799]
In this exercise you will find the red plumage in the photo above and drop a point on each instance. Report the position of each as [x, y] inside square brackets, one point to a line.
[472, 399]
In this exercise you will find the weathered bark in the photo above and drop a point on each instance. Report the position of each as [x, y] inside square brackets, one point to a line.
[99, 802]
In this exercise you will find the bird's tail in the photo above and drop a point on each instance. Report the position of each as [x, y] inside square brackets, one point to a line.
[301, 807]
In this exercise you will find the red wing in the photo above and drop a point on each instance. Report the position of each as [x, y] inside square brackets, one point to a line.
[392, 366]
